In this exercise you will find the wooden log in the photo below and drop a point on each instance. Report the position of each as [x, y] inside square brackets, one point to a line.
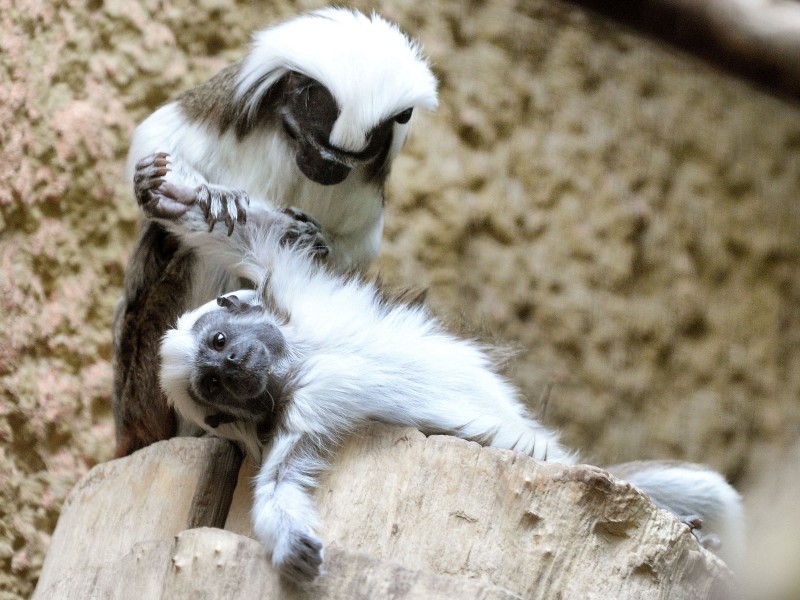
[136, 575]
[404, 516]
[151, 495]
[214, 563]
[449, 506]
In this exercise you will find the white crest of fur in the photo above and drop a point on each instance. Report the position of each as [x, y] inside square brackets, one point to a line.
[178, 351]
[369, 66]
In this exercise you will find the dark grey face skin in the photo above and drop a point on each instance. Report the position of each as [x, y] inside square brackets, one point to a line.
[306, 111]
[237, 347]
[309, 113]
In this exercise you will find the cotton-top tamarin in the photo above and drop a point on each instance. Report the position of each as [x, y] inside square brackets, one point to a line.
[288, 369]
[310, 122]
[291, 368]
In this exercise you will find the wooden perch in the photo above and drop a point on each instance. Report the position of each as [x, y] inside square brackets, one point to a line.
[755, 39]
[404, 515]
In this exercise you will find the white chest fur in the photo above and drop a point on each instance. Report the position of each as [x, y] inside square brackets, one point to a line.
[263, 165]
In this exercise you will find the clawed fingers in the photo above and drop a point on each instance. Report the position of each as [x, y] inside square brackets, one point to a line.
[300, 216]
[222, 204]
[159, 159]
[303, 562]
[158, 197]
[693, 521]
[306, 232]
[148, 178]
[169, 199]
[151, 168]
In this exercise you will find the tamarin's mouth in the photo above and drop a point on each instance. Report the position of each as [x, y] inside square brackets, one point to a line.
[321, 170]
[319, 162]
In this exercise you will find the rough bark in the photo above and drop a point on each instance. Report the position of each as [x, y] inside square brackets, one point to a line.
[404, 516]
[146, 497]
[213, 563]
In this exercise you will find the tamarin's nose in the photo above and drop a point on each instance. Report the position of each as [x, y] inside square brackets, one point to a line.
[232, 357]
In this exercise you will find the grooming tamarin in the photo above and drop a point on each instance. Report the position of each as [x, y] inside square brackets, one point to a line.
[288, 369]
[312, 119]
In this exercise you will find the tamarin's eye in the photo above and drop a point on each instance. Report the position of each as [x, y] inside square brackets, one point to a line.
[218, 341]
[403, 117]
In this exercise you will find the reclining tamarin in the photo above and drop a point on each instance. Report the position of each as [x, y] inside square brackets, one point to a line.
[289, 369]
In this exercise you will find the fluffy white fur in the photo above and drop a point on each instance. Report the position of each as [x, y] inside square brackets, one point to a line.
[350, 54]
[390, 75]
[363, 358]
[371, 69]
[355, 358]
[359, 358]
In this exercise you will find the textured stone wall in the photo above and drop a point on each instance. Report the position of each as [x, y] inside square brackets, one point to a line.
[625, 216]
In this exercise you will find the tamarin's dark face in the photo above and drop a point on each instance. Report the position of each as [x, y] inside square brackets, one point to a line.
[309, 114]
[237, 346]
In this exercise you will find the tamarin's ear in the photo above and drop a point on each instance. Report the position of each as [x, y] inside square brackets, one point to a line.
[229, 302]
[236, 306]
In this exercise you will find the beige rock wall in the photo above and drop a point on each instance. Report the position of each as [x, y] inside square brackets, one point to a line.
[627, 216]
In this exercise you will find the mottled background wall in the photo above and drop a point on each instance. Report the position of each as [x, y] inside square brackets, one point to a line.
[626, 215]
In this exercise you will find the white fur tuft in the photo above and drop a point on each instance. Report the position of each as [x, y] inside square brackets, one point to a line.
[178, 351]
[369, 66]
